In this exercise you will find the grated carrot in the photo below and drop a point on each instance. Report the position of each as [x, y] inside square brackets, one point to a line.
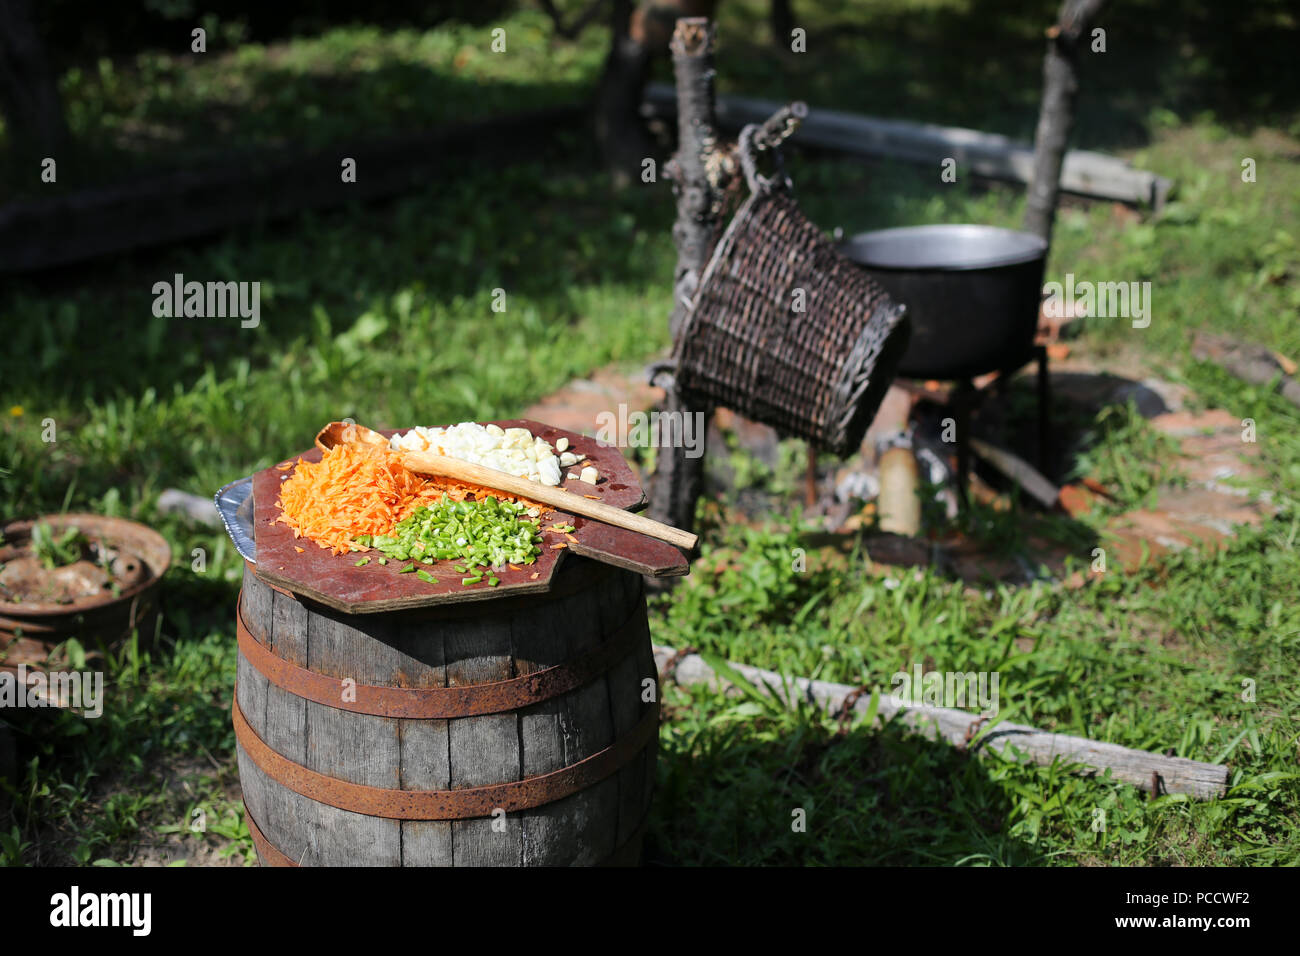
[352, 492]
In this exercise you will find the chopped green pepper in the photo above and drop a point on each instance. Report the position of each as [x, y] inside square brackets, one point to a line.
[490, 533]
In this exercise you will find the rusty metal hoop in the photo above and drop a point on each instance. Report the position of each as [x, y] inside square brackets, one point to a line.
[463, 804]
[442, 703]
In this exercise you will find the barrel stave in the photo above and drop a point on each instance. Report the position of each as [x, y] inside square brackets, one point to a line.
[626, 706]
[425, 760]
[545, 832]
[562, 731]
[358, 748]
[425, 767]
[484, 750]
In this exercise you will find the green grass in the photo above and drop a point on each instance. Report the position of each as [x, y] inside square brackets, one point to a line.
[1153, 659]
[92, 788]
[383, 317]
[1129, 458]
[384, 313]
[161, 110]
[979, 65]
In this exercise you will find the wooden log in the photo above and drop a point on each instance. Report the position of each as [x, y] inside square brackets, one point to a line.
[1205, 781]
[1020, 471]
[459, 723]
[987, 155]
[196, 508]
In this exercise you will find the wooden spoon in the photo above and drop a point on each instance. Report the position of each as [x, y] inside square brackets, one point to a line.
[428, 463]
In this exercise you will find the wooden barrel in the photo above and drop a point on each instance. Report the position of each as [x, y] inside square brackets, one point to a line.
[512, 732]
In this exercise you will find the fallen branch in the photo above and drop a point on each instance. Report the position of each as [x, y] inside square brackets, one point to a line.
[1140, 768]
[1020, 471]
[196, 508]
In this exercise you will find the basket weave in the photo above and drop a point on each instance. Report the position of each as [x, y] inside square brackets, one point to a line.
[819, 374]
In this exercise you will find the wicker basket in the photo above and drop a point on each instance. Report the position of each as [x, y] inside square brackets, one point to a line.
[817, 373]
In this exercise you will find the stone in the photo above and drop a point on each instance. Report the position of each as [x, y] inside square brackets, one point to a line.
[1182, 424]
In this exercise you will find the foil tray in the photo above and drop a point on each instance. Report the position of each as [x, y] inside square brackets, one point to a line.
[235, 505]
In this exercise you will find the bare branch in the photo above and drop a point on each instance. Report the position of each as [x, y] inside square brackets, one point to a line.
[585, 18]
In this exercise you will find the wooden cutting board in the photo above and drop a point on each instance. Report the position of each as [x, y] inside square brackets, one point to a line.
[335, 580]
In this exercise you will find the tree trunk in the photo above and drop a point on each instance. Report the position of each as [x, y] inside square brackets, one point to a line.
[622, 136]
[781, 19]
[1056, 116]
[678, 480]
[28, 94]
[640, 33]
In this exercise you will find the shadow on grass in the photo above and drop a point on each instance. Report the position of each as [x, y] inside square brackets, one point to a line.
[76, 30]
[979, 64]
[540, 235]
[870, 798]
[272, 108]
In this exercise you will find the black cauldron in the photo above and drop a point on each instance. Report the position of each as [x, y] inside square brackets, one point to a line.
[972, 293]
